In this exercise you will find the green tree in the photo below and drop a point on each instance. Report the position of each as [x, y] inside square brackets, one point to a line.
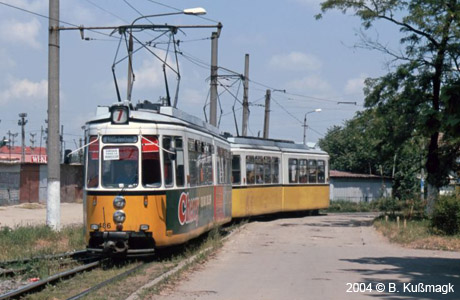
[364, 145]
[428, 67]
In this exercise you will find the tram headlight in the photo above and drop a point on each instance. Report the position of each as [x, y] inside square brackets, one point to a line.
[119, 202]
[119, 216]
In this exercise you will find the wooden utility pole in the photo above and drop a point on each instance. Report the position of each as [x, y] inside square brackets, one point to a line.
[267, 114]
[53, 202]
[245, 96]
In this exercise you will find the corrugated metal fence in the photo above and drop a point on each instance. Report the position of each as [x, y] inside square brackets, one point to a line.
[27, 183]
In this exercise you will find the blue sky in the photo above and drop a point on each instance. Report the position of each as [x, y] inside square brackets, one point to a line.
[314, 61]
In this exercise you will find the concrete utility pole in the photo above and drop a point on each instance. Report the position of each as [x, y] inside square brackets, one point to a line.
[245, 96]
[53, 214]
[130, 67]
[213, 92]
[267, 113]
[22, 122]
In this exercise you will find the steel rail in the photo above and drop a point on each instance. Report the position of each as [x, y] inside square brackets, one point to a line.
[106, 282]
[49, 257]
[40, 283]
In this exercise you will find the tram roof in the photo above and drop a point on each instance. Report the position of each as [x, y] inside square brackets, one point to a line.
[157, 114]
[271, 144]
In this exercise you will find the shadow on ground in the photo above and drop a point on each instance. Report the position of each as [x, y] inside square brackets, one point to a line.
[415, 270]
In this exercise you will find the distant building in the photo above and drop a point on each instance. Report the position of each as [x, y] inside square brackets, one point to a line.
[35, 155]
[27, 181]
[358, 187]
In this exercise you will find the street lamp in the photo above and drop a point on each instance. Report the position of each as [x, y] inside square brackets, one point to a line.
[305, 124]
[197, 11]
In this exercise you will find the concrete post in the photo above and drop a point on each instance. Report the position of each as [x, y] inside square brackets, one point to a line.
[53, 214]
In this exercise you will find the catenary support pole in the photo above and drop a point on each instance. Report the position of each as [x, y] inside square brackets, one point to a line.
[267, 114]
[213, 92]
[53, 215]
[245, 97]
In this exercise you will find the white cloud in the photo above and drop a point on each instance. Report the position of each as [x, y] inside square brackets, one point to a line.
[311, 83]
[355, 85]
[296, 61]
[34, 5]
[193, 97]
[24, 33]
[149, 75]
[6, 62]
[23, 90]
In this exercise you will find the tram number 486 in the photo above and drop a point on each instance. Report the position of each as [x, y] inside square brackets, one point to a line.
[105, 225]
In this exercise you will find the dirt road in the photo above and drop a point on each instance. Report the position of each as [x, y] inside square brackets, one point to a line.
[34, 214]
[338, 256]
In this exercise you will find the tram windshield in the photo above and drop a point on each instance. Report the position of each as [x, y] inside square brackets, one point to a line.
[120, 166]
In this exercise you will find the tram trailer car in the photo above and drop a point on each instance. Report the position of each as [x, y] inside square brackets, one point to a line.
[154, 177]
[271, 176]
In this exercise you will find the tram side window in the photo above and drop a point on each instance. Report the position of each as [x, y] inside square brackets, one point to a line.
[303, 174]
[312, 170]
[206, 159]
[236, 169]
[267, 169]
[228, 167]
[250, 175]
[193, 161]
[275, 170]
[92, 173]
[151, 172]
[167, 161]
[259, 169]
[293, 171]
[179, 162]
[220, 165]
[321, 171]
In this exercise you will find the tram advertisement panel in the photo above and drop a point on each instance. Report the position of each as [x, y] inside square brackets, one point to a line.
[189, 209]
[222, 202]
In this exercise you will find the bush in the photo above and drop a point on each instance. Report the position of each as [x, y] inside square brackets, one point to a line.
[348, 206]
[446, 215]
[389, 205]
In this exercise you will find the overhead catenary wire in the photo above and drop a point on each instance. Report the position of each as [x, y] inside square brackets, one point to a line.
[107, 11]
[48, 18]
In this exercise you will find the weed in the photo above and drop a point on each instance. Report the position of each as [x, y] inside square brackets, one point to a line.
[24, 242]
[417, 234]
[348, 206]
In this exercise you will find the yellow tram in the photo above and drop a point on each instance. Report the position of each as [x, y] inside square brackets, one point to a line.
[155, 177]
[271, 176]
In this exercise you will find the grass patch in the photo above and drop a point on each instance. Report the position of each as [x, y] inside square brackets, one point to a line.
[417, 234]
[348, 206]
[29, 241]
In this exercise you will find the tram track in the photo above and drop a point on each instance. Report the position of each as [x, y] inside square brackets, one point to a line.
[41, 283]
[79, 254]
[104, 273]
